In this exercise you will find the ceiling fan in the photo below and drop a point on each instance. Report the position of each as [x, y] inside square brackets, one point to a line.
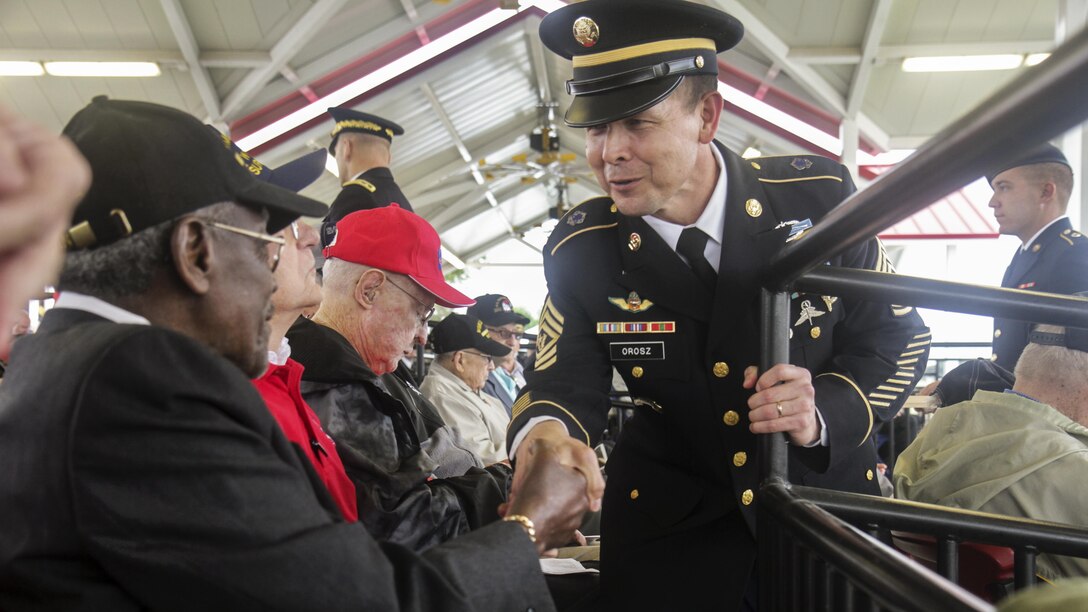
[544, 162]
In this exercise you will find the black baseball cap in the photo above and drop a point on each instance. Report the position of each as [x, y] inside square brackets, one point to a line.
[629, 55]
[348, 120]
[495, 309]
[1045, 153]
[961, 382]
[459, 332]
[152, 163]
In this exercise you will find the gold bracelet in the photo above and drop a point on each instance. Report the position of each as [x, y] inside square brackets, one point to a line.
[525, 522]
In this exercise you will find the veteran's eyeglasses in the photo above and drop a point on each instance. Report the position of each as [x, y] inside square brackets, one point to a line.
[428, 311]
[279, 241]
[505, 334]
[487, 358]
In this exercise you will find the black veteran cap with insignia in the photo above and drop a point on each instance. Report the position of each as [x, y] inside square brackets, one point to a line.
[495, 309]
[152, 163]
[348, 120]
[459, 332]
[1045, 153]
[628, 55]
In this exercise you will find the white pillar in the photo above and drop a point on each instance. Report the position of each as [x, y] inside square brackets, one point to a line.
[848, 133]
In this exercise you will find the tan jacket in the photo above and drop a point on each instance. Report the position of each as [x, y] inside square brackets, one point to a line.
[479, 418]
[1005, 454]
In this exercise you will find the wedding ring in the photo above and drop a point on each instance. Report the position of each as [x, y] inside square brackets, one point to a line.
[779, 406]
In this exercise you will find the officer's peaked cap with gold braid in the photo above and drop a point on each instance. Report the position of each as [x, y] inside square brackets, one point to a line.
[348, 120]
[628, 55]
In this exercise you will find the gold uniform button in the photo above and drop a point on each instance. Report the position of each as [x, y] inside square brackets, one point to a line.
[753, 208]
[997, 333]
[637, 371]
[1035, 249]
[814, 332]
[721, 369]
[993, 357]
[731, 418]
[757, 166]
[634, 493]
[739, 459]
[612, 208]
[699, 61]
[747, 497]
[868, 474]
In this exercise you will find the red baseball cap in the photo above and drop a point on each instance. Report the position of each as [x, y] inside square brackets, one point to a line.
[395, 240]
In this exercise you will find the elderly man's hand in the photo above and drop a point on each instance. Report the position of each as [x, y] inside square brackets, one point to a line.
[572, 453]
[42, 178]
[549, 493]
[784, 401]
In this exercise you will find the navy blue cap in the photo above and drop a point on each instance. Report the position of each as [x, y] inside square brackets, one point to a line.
[1045, 153]
[348, 120]
[629, 55]
[295, 175]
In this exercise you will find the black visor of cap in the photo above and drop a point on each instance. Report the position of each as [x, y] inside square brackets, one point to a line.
[598, 109]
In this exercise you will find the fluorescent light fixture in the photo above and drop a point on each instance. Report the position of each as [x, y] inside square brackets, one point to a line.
[751, 152]
[452, 259]
[1035, 58]
[21, 69]
[102, 69]
[962, 63]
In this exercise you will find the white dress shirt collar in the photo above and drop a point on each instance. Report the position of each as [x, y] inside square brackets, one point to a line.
[102, 308]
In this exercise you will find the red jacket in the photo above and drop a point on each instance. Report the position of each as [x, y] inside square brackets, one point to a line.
[280, 389]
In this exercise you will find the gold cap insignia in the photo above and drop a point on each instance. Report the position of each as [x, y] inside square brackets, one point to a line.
[753, 208]
[586, 31]
[634, 241]
[698, 61]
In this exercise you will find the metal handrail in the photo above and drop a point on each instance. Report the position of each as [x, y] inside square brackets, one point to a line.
[966, 525]
[884, 575]
[945, 295]
[1040, 104]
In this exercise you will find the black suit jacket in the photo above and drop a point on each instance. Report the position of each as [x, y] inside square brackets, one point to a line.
[387, 434]
[1057, 262]
[619, 296]
[142, 471]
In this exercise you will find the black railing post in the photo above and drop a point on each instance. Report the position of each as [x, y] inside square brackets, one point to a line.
[948, 558]
[775, 349]
[1024, 567]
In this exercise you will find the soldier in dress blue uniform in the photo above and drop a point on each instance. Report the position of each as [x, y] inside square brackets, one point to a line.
[361, 144]
[661, 280]
[1030, 198]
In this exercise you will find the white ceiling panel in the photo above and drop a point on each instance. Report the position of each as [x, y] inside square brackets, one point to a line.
[488, 91]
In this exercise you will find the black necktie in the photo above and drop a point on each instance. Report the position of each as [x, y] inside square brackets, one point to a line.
[691, 245]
